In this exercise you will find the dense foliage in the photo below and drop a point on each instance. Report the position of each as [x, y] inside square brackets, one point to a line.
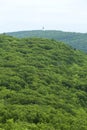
[76, 40]
[43, 85]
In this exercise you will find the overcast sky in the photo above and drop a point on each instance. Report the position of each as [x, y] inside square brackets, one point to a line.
[66, 15]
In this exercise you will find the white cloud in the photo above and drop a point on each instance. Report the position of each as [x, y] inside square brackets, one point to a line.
[32, 14]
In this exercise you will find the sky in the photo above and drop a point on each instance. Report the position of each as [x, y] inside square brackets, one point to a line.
[65, 15]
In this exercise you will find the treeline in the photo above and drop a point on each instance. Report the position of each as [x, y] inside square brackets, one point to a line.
[43, 85]
[76, 40]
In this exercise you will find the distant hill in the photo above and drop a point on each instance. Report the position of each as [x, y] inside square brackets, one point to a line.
[43, 85]
[76, 40]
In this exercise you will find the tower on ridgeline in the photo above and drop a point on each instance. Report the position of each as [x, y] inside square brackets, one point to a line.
[43, 28]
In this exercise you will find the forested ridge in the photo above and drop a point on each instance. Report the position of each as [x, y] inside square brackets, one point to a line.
[76, 40]
[43, 85]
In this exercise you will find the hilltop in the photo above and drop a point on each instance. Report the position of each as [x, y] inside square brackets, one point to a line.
[76, 40]
[43, 85]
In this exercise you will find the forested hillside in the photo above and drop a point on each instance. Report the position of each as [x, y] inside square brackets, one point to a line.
[43, 85]
[76, 40]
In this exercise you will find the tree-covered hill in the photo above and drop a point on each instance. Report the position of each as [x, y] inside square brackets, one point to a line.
[76, 40]
[43, 85]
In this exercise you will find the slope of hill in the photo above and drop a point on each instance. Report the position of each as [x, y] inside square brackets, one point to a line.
[43, 85]
[76, 40]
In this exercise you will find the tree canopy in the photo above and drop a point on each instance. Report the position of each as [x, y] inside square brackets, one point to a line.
[43, 85]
